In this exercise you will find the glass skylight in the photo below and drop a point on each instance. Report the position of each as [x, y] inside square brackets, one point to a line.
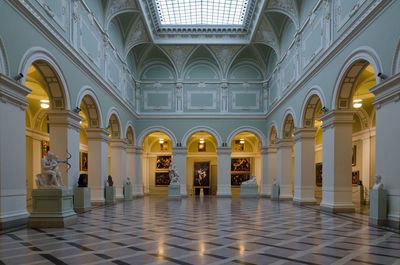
[201, 12]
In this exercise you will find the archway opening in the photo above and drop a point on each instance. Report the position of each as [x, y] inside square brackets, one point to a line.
[156, 160]
[245, 160]
[201, 164]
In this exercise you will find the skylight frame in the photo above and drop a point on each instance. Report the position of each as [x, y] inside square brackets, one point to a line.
[201, 28]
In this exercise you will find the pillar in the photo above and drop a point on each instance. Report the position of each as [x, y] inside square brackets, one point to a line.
[387, 97]
[264, 172]
[97, 163]
[138, 178]
[118, 165]
[304, 166]
[336, 161]
[224, 172]
[12, 153]
[366, 161]
[269, 169]
[131, 162]
[64, 137]
[179, 159]
[285, 167]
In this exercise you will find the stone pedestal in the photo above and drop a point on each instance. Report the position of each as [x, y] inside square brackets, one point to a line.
[110, 195]
[249, 190]
[275, 192]
[81, 199]
[127, 192]
[52, 208]
[378, 207]
[174, 191]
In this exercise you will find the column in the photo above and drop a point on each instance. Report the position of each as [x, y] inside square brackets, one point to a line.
[336, 161]
[284, 159]
[12, 153]
[224, 171]
[131, 162]
[304, 166]
[118, 165]
[265, 183]
[224, 97]
[179, 97]
[269, 169]
[64, 137]
[97, 163]
[138, 178]
[366, 161]
[387, 97]
[179, 159]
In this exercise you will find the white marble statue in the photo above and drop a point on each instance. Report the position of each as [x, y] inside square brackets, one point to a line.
[50, 176]
[378, 183]
[173, 174]
[275, 182]
[252, 180]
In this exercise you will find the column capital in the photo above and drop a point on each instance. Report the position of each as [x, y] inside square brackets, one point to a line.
[131, 148]
[387, 91]
[268, 149]
[179, 150]
[336, 117]
[13, 92]
[284, 143]
[97, 134]
[119, 143]
[62, 118]
[304, 133]
[224, 150]
[139, 150]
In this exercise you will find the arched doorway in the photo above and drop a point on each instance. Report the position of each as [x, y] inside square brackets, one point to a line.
[201, 164]
[245, 160]
[156, 159]
[285, 158]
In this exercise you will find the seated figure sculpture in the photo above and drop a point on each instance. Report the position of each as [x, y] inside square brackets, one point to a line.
[252, 180]
[128, 181]
[378, 183]
[173, 175]
[50, 176]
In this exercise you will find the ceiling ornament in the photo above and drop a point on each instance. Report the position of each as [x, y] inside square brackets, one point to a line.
[137, 35]
[117, 5]
[178, 54]
[225, 54]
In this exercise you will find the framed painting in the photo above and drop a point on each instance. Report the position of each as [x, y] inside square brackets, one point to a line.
[45, 147]
[201, 177]
[355, 177]
[162, 179]
[84, 161]
[354, 156]
[318, 174]
[240, 164]
[163, 162]
[238, 178]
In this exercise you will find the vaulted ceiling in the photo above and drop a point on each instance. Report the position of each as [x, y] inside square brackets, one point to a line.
[272, 29]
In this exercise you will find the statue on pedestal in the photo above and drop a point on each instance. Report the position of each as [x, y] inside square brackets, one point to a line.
[83, 180]
[50, 176]
[252, 180]
[110, 181]
[128, 181]
[173, 175]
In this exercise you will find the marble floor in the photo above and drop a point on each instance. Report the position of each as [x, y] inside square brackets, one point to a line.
[205, 230]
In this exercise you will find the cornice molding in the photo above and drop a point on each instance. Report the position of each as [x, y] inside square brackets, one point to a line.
[13, 92]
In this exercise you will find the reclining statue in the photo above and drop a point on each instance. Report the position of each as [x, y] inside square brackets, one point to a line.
[252, 180]
[50, 176]
[173, 175]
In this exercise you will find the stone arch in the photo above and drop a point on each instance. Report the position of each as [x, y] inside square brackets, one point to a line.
[396, 60]
[346, 82]
[251, 129]
[47, 66]
[114, 123]
[37, 120]
[364, 118]
[129, 133]
[288, 124]
[152, 129]
[3, 60]
[309, 108]
[196, 129]
[87, 96]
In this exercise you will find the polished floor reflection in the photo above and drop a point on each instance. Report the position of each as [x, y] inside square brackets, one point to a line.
[204, 230]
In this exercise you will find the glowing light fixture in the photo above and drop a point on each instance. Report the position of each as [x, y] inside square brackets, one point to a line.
[201, 140]
[161, 140]
[242, 141]
[44, 103]
[357, 103]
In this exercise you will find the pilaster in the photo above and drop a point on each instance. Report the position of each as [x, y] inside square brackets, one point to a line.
[285, 167]
[179, 159]
[118, 165]
[224, 172]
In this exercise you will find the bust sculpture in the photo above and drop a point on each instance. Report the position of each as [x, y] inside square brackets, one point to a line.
[110, 181]
[128, 181]
[378, 183]
[252, 180]
[83, 180]
[173, 175]
[50, 176]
